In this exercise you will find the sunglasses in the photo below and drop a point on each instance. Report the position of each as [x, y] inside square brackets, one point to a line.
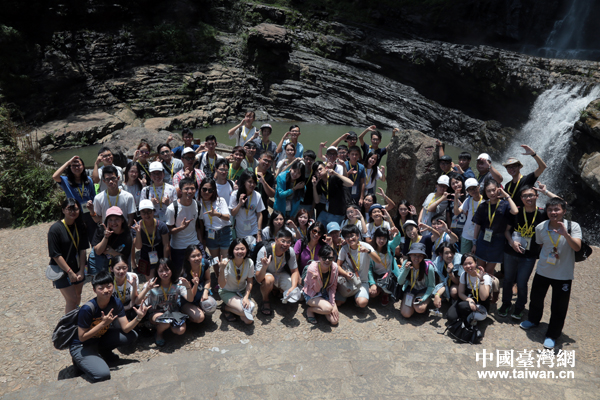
[330, 258]
[208, 190]
[164, 153]
[145, 152]
[316, 231]
[189, 158]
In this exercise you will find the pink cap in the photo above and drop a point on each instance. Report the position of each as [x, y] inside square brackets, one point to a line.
[114, 210]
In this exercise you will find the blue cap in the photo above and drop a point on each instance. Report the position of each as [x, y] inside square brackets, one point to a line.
[374, 206]
[332, 227]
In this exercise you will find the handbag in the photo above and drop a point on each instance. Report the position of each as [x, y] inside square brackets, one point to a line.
[143, 267]
[585, 251]
[389, 284]
[54, 272]
[348, 287]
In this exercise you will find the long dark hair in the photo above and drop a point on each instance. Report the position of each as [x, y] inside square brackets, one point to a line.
[175, 272]
[244, 177]
[374, 170]
[137, 182]
[187, 266]
[382, 232]
[213, 185]
[398, 219]
[274, 215]
[68, 202]
[289, 183]
[71, 175]
[234, 243]
[306, 239]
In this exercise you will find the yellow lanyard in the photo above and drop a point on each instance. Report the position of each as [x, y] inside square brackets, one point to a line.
[108, 198]
[144, 168]
[473, 208]
[474, 289]
[77, 234]
[555, 245]
[211, 166]
[249, 204]
[312, 253]
[265, 147]
[527, 230]
[162, 191]
[413, 278]
[167, 292]
[512, 195]
[490, 215]
[277, 267]
[437, 242]
[172, 169]
[82, 191]
[211, 208]
[151, 241]
[433, 201]
[243, 266]
[124, 290]
[357, 264]
[303, 231]
[328, 277]
[411, 242]
[383, 257]
[402, 228]
[356, 174]
[230, 176]
[327, 189]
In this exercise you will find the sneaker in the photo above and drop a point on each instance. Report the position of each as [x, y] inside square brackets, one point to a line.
[549, 343]
[527, 325]
[503, 310]
[517, 314]
[109, 356]
[385, 299]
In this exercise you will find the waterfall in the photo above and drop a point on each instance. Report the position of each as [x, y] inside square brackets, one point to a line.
[548, 131]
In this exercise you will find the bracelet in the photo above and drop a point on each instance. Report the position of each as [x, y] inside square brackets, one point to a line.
[534, 154]
[69, 270]
[138, 319]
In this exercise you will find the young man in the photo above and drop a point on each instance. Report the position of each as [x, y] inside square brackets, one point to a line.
[559, 240]
[93, 345]
[208, 159]
[436, 202]
[290, 136]
[244, 131]
[330, 185]
[521, 252]
[160, 193]
[356, 172]
[112, 196]
[238, 155]
[307, 201]
[105, 157]
[446, 164]
[224, 186]
[464, 159]
[375, 142]
[350, 137]
[188, 138]
[486, 171]
[342, 151]
[171, 165]
[334, 238]
[266, 182]
[513, 167]
[249, 161]
[183, 225]
[469, 208]
[276, 269]
[358, 256]
[188, 171]
[264, 143]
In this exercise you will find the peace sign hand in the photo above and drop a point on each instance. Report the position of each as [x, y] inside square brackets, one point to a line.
[266, 261]
[107, 232]
[107, 319]
[185, 223]
[141, 310]
[137, 227]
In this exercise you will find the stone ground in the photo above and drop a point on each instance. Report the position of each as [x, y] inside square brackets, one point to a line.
[373, 353]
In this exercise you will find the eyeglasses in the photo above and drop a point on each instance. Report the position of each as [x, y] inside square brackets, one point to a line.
[189, 158]
[164, 153]
[316, 231]
[107, 156]
[528, 196]
[208, 190]
[72, 209]
[330, 258]
[146, 212]
[113, 179]
[223, 170]
[144, 152]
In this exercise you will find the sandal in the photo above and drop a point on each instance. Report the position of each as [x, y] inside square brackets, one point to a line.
[159, 342]
[266, 310]
[229, 316]
[311, 320]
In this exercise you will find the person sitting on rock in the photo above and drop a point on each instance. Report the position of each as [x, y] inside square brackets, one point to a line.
[170, 164]
[93, 345]
[160, 193]
[513, 167]
[375, 142]
[320, 286]
[207, 160]
[421, 283]
[264, 143]
[486, 171]
[105, 157]
[435, 203]
[112, 196]
[235, 279]
[188, 171]
[291, 136]
[188, 138]
[276, 267]
[244, 131]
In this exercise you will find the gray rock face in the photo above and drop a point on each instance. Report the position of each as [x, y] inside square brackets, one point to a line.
[6, 219]
[412, 167]
[590, 171]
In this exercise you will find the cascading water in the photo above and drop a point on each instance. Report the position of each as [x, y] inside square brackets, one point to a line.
[548, 131]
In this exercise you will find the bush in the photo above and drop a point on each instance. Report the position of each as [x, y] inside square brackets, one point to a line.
[26, 185]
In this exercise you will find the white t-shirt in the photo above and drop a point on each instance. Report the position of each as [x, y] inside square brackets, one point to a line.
[282, 164]
[220, 206]
[188, 236]
[276, 261]
[246, 271]
[474, 281]
[563, 269]
[371, 228]
[246, 220]
[161, 192]
[135, 191]
[358, 225]
[470, 208]
[363, 260]
[118, 290]
[242, 134]
[266, 233]
[102, 184]
[124, 200]
[370, 183]
[428, 216]
[205, 159]
[225, 191]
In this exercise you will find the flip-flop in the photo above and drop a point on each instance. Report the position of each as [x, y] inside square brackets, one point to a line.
[265, 310]
[159, 342]
[229, 316]
[312, 320]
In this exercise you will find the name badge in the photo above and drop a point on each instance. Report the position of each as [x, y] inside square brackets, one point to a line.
[84, 209]
[246, 225]
[551, 259]
[402, 240]
[526, 242]
[488, 235]
[211, 234]
[454, 222]
[288, 205]
[408, 301]
[354, 189]
[153, 256]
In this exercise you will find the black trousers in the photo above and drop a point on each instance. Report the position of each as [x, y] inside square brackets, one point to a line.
[561, 293]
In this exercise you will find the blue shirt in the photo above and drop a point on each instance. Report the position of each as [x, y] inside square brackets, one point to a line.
[468, 174]
[179, 149]
[299, 150]
[356, 178]
[73, 191]
[88, 319]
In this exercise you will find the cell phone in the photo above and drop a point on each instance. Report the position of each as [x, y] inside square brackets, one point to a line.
[214, 261]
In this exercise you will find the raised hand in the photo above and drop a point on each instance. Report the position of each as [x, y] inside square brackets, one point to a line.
[542, 187]
[266, 261]
[141, 310]
[528, 150]
[108, 319]
[412, 210]
[185, 283]
[137, 227]
[322, 144]
[372, 128]
[299, 186]
[185, 223]
[243, 198]
[107, 232]
[501, 193]
[562, 229]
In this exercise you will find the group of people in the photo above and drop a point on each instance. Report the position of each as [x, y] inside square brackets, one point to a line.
[174, 217]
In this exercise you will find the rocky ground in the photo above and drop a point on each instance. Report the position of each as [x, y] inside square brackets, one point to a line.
[30, 308]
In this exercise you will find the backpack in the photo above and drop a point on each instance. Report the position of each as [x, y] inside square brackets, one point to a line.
[585, 251]
[176, 208]
[67, 329]
[268, 244]
[460, 329]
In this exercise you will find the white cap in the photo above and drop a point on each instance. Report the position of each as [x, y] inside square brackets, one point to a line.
[187, 150]
[332, 148]
[156, 166]
[485, 156]
[443, 180]
[471, 182]
[146, 205]
[209, 306]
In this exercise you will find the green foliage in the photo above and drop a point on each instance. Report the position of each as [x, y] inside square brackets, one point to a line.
[26, 186]
[583, 114]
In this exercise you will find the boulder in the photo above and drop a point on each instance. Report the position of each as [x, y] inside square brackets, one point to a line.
[589, 167]
[270, 36]
[590, 120]
[159, 124]
[412, 167]
[79, 129]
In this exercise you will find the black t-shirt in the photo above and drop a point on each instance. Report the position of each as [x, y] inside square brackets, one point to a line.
[159, 230]
[308, 193]
[60, 243]
[336, 198]
[270, 179]
[518, 222]
[144, 171]
[121, 243]
[500, 213]
[513, 189]
[367, 149]
[88, 319]
[425, 239]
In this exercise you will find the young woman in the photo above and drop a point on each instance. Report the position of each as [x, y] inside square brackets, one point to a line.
[454, 218]
[417, 289]
[380, 218]
[436, 202]
[235, 280]
[113, 238]
[215, 220]
[385, 249]
[301, 223]
[246, 206]
[152, 238]
[307, 249]
[413, 235]
[290, 190]
[406, 212]
[290, 156]
[490, 221]
[320, 285]
[276, 223]
[163, 297]
[125, 286]
[66, 246]
[448, 269]
[194, 266]
[373, 173]
[440, 233]
[133, 185]
[474, 291]
[140, 158]
[371, 199]
[354, 217]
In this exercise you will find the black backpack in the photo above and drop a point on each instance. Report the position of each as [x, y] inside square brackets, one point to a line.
[585, 251]
[268, 244]
[67, 329]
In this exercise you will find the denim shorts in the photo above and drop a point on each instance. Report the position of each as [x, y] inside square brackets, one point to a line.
[222, 239]
[65, 282]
